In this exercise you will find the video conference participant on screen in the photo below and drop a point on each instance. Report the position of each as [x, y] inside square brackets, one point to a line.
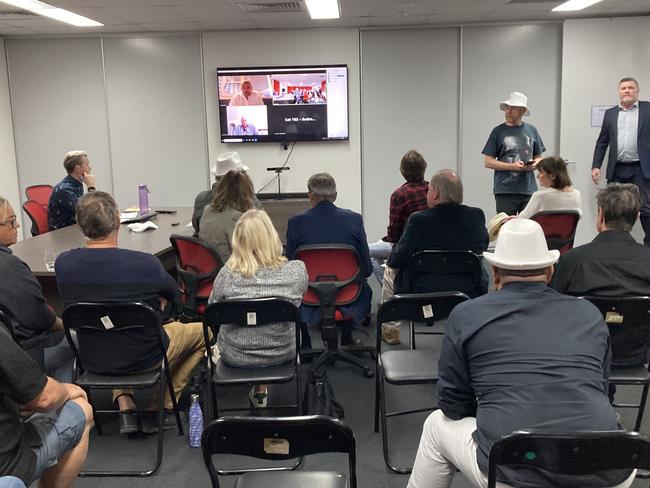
[246, 97]
[245, 129]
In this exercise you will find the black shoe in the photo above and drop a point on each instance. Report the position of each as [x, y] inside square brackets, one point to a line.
[129, 422]
[150, 422]
[351, 342]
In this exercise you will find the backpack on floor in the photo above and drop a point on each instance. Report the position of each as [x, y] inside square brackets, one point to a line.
[319, 396]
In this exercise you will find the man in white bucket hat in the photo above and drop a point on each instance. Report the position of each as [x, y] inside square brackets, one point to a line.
[227, 161]
[523, 357]
[512, 151]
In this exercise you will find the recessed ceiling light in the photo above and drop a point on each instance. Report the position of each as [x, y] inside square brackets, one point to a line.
[47, 10]
[323, 9]
[571, 5]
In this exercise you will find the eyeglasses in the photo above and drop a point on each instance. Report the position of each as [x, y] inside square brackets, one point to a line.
[10, 222]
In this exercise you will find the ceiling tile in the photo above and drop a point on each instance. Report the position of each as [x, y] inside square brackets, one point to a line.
[144, 15]
[466, 7]
[212, 13]
[173, 26]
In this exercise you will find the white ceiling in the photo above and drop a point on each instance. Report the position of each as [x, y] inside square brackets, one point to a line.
[198, 15]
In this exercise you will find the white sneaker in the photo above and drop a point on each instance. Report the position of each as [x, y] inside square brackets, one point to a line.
[258, 399]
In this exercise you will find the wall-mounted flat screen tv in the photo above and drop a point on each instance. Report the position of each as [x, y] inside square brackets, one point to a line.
[283, 104]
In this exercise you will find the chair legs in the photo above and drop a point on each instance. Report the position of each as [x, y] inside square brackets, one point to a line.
[338, 355]
[639, 406]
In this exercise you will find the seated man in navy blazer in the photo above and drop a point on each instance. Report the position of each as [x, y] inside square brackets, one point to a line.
[446, 225]
[325, 223]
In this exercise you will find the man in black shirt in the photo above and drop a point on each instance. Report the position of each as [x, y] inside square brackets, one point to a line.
[50, 445]
[524, 357]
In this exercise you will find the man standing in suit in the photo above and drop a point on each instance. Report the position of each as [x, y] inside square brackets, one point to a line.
[626, 130]
[325, 223]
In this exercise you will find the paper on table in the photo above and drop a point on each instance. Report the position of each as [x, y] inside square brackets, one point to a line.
[128, 216]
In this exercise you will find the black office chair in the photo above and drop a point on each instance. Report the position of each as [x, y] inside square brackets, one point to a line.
[628, 321]
[104, 331]
[281, 439]
[411, 366]
[577, 453]
[251, 313]
[441, 271]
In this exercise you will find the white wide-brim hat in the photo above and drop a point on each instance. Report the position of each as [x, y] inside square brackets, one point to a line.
[517, 99]
[228, 161]
[521, 245]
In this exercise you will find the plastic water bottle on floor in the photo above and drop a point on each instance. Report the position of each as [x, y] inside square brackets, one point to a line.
[196, 421]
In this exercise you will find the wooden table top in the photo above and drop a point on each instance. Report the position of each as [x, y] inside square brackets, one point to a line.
[153, 241]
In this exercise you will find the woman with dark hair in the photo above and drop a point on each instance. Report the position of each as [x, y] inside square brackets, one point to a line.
[556, 194]
[234, 195]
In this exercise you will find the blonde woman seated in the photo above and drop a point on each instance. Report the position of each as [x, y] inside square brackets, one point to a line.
[234, 195]
[557, 194]
[257, 269]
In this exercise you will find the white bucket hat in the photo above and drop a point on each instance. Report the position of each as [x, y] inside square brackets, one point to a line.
[228, 161]
[521, 245]
[517, 99]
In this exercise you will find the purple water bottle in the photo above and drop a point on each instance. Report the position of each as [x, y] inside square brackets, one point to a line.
[143, 195]
[196, 421]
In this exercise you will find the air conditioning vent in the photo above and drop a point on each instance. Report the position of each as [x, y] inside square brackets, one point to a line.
[15, 14]
[261, 7]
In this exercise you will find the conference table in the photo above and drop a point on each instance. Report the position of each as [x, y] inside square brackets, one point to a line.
[153, 241]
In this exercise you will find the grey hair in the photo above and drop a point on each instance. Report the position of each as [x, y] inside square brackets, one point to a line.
[3, 206]
[322, 185]
[621, 204]
[73, 159]
[448, 186]
[97, 214]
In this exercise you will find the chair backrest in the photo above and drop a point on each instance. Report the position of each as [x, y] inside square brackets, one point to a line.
[628, 321]
[559, 228]
[334, 274]
[278, 438]
[39, 193]
[417, 307]
[114, 338]
[437, 271]
[197, 265]
[578, 453]
[38, 215]
[251, 312]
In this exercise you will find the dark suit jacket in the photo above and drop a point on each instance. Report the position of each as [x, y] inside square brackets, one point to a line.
[446, 227]
[327, 224]
[609, 137]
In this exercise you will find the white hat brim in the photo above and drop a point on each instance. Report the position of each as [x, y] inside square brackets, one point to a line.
[552, 257]
[511, 103]
[213, 170]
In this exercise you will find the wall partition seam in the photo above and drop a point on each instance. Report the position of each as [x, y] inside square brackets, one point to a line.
[13, 123]
[205, 111]
[108, 121]
[459, 128]
[362, 166]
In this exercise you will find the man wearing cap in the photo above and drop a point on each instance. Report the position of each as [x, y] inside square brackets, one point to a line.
[246, 97]
[512, 151]
[626, 131]
[228, 161]
[524, 357]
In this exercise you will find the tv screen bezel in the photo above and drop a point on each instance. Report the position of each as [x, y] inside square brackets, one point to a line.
[288, 139]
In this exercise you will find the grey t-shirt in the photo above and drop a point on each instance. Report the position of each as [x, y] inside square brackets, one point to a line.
[509, 144]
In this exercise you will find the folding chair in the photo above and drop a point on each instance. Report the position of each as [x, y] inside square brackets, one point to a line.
[104, 331]
[281, 438]
[559, 228]
[39, 193]
[575, 453]
[411, 366]
[197, 265]
[628, 321]
[38, 215]
[335, 280]
[251, 313]
[439, 271]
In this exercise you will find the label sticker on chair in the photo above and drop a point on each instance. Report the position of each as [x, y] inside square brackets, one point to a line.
[613, 318]
[106, 321]
[251, 318]
[276, 446]
[427, 311]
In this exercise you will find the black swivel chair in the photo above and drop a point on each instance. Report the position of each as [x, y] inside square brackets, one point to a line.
[103, 332]
[281, 439]
[411, 366]
[578, 453]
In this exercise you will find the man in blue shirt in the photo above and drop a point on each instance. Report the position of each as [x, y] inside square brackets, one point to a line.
[66, 193]
[512, 151]
[245, 129]
[524, 357]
